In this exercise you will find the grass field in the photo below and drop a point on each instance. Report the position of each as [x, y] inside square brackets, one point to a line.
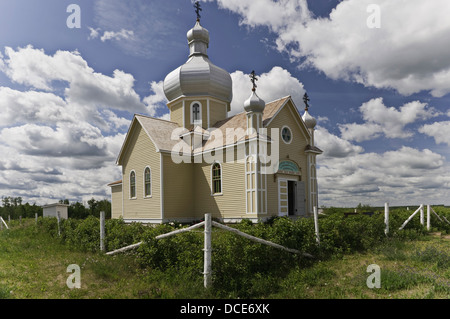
[33, 265]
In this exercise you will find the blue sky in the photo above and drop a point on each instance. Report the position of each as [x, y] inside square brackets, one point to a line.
[381, 95]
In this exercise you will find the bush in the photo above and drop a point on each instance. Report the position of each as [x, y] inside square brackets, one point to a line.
[243, 268]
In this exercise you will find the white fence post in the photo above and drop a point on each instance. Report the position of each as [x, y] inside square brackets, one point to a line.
[428, 216]
[386, 218]
[58, 217]
[422, 219]
[36, 217]
[316, 225]
[207, 250]
[102, 231]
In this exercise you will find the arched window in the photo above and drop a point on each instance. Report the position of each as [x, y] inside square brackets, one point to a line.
[147, 182]
[216, 176]
[132, 184]
[196, 113]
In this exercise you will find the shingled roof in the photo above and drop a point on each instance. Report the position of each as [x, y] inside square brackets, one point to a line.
[166, 134]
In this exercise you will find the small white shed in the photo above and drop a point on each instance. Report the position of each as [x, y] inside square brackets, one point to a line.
[53, 209]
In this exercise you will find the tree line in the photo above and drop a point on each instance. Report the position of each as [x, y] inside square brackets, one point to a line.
[14, 207]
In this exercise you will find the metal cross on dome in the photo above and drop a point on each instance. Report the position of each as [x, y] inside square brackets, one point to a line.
[253, 78]
[306, 100]
[197, 10]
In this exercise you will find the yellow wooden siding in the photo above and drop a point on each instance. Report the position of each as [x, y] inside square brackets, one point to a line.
[293, 152]
[179, 188]
[229, 204]
[116, 201]
[140, 153]
[176, 113]
[217, 111]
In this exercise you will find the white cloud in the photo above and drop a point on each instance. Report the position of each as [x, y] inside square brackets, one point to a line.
[34, 68]
[157, 100]
[334, 146]
[55, 141]
[35, 107]
[408, 53]
[272, 85]
[400, 177]
[94, 33]
[388, 121]
[440, 131]
[275, 15]
[120, 35]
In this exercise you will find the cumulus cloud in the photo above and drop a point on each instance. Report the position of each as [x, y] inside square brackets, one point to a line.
[334, 146]
[440, 131]
[397, 55]
[69, 127]
[399, 177]
[157, 100]
[387, 121]
[34, 68]
[274, 14]
[35, 107]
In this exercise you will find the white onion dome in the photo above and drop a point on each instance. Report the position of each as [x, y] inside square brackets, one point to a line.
[198, 76]
[254, 103]
[309, 120]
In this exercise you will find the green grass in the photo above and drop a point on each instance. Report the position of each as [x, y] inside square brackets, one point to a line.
[33, 265]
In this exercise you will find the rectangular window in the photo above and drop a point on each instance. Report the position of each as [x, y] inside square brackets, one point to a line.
[147, 183]
[132, 185]
[216, 179]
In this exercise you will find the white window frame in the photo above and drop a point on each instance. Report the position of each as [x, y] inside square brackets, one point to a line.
[135, 183]
[281, 134]
[145, 195]
[191, 110]
[248, 175]
[221, 179]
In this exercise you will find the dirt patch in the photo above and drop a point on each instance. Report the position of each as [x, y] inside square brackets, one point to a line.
[439, 234]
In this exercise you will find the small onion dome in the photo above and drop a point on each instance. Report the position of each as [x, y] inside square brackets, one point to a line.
[309, 120]
[198, 76]
[254, 103]
[198, 39]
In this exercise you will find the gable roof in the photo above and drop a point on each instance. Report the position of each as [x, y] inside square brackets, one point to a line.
[160, 131]
[234, 128]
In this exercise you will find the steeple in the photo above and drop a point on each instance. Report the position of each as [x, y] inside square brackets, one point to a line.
[198, 37]
[254, 106]
[204, 89]
[310, 122]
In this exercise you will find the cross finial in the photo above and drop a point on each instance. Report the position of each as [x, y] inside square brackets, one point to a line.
[197, 10]
[306, 100]
[253, 78]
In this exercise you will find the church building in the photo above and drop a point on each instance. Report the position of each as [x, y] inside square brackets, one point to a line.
[254, 165]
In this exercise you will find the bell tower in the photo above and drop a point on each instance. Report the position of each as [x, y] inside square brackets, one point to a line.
[198, 91]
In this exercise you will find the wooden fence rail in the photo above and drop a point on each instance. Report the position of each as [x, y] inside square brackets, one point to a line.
[3, 223]
[208, 223]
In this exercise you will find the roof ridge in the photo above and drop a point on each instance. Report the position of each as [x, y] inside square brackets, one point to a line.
[155, 118]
